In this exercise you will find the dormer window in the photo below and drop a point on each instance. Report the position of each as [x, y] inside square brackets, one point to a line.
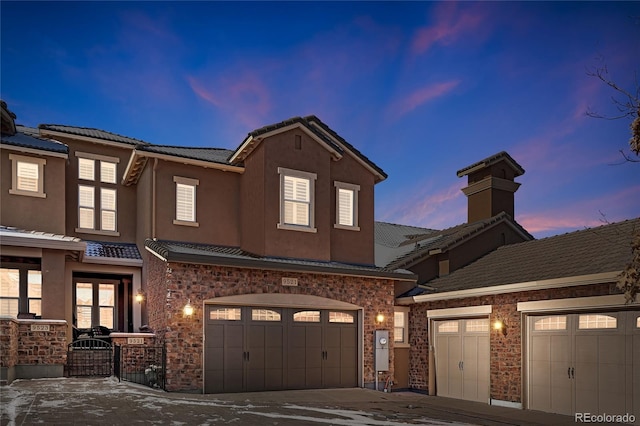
[347, 206]
[297, 200]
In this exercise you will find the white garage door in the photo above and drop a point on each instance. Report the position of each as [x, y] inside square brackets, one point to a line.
[462, 358]
[584, 363]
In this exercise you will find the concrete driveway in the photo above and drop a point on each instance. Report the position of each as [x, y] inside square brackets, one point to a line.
[105, 401]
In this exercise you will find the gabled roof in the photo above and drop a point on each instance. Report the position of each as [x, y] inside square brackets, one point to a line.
[317, 130]
[489, 161]
[174, 251]
[416, 248]
[393, 241]
[214, 155]
[581, 253]
[91, 133]
[24, 140]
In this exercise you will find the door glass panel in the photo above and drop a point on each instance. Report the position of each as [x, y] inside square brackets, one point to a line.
[477, 325]
[558, 322]
[106, 317]
[83, 316]
[84, 294]
[638, 322]
[229, 314]
[265, 315]
[597, 321]
[448, 327]
[343, 317]
[9, 282]
[9, 307]
[106, 293]
[307, 316]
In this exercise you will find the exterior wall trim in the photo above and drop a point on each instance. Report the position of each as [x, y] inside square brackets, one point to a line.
[283, 301]
[466, 311]
[113, 261]
[615, 300]
[26, 241]
[578, 280]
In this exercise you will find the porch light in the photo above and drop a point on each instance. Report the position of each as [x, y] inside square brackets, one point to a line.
[188, 309]
[498, 325]
[380, 318]
[139, 296]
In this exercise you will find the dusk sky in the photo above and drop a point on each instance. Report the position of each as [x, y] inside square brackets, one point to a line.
[423, 89]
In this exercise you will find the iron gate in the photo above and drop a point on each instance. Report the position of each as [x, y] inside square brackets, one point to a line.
[141, 364]
[89, 357]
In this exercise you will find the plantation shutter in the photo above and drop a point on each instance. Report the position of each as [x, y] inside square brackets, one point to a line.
[296, 201]
[27, 174]
[185, 202]
[345, 207]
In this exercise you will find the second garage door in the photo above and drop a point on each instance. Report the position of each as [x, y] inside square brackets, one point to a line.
[257, 348]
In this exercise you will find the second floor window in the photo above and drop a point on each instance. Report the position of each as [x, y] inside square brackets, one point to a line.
[185, 201]
[97, 193]
[27, 176]
[297, 200]
[347, 206]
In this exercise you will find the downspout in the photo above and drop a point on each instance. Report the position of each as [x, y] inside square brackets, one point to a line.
[432, 361]
[153, 199]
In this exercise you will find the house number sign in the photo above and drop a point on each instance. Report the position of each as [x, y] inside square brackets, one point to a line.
[135, 340]
[290, 282]
[40, 327]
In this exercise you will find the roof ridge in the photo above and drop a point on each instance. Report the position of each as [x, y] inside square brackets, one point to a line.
[46, 125]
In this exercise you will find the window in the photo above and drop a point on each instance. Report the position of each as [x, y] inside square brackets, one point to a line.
[448, 327]
[551, 323]
[597, 321]
[265, 315]
[477, 325]
[307, 316]
[229, 314]
[97, 202]
[400, 325]
[185, 201]
[27, 176]
[341, 317]
[95, 304]
[297, 200]
[347, 206]
[20, 291]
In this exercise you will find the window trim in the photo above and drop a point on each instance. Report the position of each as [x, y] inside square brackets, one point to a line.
[355, 189]
[178, 180]
[311, 177]
[40, 162]
[95, 305]
[405, 337]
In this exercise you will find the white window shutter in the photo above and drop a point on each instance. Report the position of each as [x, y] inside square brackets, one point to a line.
[185, 202]
[86, 169]
[27, 175]
[345, 207]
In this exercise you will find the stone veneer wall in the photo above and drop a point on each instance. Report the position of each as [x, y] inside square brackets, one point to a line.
[505, 350]
[25, 353]
[171, 285]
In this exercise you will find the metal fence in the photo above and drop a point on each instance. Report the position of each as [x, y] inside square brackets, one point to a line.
[89, 357]
[145, 365]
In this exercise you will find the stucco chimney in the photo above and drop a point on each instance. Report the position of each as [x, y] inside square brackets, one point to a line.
[490, 186]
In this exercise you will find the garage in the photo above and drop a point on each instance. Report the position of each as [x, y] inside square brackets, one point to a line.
[259, 348]
[462, 358]
[584, 362]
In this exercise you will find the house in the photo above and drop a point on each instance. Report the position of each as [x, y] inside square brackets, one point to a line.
[266, 253]
[537, 325]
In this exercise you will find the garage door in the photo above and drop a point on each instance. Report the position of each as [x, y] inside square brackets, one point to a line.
[462, 358]
[584, 363]
[258, 348]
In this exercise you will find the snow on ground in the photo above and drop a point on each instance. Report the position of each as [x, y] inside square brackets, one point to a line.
[93, 401]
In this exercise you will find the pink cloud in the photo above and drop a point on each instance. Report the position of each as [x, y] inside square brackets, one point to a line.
[421, 96]
[242, 95]
[451, 24]
[587, 213]
[422, 207]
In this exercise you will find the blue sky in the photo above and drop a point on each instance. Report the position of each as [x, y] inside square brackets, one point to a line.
[422, 88]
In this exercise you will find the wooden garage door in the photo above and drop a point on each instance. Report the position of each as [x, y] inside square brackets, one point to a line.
[462, 358]
[583, 363]
[255, 349]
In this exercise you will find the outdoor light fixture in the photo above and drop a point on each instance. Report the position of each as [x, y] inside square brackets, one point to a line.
[380, 318]
[139, 296]
[499, 326]
[188, 309]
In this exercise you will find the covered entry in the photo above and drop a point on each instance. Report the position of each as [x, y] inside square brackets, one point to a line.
[584, 362]
[263, 345]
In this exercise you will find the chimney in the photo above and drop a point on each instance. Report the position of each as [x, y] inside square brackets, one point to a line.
[490, 186]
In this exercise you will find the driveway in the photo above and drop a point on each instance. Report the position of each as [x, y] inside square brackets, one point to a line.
[106, 401]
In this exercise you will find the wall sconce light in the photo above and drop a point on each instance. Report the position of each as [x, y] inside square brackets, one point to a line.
[188, 309]
[380, 318]
[499, 326]
[139, 296]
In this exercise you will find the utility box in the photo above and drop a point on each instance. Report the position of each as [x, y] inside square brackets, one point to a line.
[382, 350]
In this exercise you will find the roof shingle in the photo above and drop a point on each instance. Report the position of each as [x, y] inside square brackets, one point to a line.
[91, 133]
